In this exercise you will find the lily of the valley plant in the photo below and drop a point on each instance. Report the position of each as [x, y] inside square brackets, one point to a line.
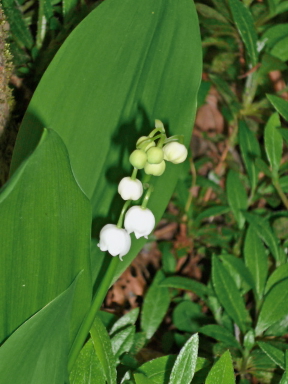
[150, 155]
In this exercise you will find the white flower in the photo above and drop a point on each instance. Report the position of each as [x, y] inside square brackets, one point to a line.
[175, 152]
[130, 189]
[139, 220]
[114, 240]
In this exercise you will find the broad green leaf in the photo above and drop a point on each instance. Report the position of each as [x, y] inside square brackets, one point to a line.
[45, 237]
[236, 195]
[280, 105]
[37, 351]
[250, 150]
[222, 371]
[265, 232]
[185, 283]
[278, 275]
[17, 25]
[273, 142]
[239, 272]
[245, 25]
[155, 306]
[87, 368]
[275, 354]
[256, 260]
[131, 63]
[228, 294]
[221, 334]
[275, 307]
[128, 319]
[122, 340]
[103, 349]
[185, 364]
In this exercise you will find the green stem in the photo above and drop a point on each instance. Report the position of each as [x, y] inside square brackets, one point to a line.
[123, 211]
[147, 197]
[96, 304]
[134, 174]
[161, 141]
[155, 130]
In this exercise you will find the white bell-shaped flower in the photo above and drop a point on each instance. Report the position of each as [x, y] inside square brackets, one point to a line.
[175, 152]
[139, 220]
[130, 189]
[114, 240]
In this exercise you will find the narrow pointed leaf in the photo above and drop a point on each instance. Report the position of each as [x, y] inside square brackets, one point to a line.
[131, 63]
[185, 364]
[128, 319]
[245, 25]
[18, 27]
[37, 351]
[275, 354]
[256, 260]
[237, 197]
[280, 273]
[273, 142]
[228, 294]
[280, 105]
[51, 216]
[185, 283]
[250, 150]
[275, 307]
[222, 372]
[265, 232]
[87, 368]
[221, 334]
[122, 341]
[103, 349]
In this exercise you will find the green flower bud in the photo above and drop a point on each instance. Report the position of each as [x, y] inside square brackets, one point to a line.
[155, 155]
[145, 143]
[155, 169]
[138, 158]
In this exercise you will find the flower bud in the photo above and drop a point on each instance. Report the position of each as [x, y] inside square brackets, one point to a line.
[155, 155]
[140, 221]
[175, 152]
[130, 189]
[138, 158]
[114, 240]
[155, 169]
[145, 143]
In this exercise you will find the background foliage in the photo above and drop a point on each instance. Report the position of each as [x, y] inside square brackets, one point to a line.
[223, 239]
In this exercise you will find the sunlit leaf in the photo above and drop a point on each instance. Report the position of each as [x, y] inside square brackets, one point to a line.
[37, 351]
[45, 237]
[124, 66]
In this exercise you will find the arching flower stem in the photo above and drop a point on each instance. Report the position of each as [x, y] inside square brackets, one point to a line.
[123, 211]
[147, 197]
